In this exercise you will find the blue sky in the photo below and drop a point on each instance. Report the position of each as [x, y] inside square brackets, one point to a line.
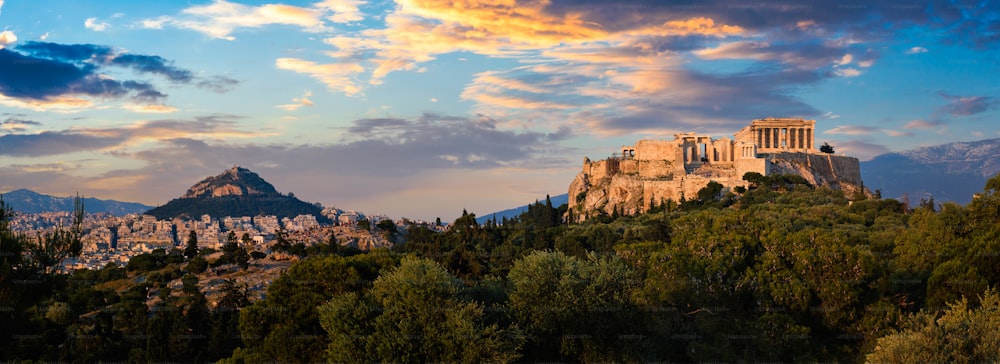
[420, 108]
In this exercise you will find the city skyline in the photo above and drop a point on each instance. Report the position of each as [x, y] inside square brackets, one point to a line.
[423, 108]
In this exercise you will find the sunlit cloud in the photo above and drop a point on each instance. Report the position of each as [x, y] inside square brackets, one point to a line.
[853, 130]
[152, 109]
[916, 50]
[97, 26]
[298, 102]
[222, 18]
[921, 125]
[7, 37]
[336, 76]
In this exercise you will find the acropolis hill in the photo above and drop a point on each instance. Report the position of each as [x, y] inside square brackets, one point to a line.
[654, 171]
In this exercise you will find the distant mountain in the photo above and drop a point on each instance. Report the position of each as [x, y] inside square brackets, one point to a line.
[509, 213]
[948, 172]
[236, 192]
[32, 202]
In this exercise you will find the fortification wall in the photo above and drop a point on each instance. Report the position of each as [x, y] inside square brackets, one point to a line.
[830, 167]
[656, 150]
[655, 168]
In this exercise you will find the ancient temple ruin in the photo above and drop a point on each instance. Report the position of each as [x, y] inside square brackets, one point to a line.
[652, 170]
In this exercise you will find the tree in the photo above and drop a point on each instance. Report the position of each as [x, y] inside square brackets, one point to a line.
[191, 250]
[961, 335]
[414, 314]
[289, 308]
[826, 148]
[575, 310]
[48, 250]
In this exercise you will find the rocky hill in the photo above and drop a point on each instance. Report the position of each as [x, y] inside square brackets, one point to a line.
[31, 202]
[236, 192]
[235, 181]
[947, 172]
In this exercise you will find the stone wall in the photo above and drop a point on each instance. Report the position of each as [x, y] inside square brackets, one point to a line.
[659, 150]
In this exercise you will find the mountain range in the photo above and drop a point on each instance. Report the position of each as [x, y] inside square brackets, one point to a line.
[948, 172]
[31, 202]
[517, 211]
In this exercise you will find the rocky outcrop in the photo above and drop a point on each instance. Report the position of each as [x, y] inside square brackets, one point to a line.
[235, 181]
[235, 192]
[628, 187]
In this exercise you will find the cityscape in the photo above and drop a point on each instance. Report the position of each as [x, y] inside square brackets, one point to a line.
[111, 239]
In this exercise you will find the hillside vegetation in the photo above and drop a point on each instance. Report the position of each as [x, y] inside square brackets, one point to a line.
[780, 272]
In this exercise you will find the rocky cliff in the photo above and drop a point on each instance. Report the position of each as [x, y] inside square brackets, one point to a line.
[630, 187]
[235, 181]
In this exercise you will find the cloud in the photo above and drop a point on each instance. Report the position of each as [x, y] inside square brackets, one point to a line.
[93, 24]
[42, 75]
[221, 18]
[967, 105]
[152, 64]
[921, 125]
[853, 130]
[155, 109]
[344, 11]
[298, 102]
[847, 72]
[916, 50]
[16, 125]
[7, 37]
[41, 79]
[337, 77]
[866, 130]
[863, 150]
[219, 84]
[50, 143]
[389, 160]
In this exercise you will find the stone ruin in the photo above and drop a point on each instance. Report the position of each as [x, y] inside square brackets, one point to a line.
[653, 171]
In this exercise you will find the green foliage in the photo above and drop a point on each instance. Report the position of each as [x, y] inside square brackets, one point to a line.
[191, 249]
[783, 272]
[284, 327]
[573, 309]
[826, 148]
[414, 314]
[962, 334]
[253, 205]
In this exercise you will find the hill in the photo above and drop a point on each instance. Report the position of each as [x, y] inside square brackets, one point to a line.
[32, 202]
[236, 192]
[513, 212]
[947, 172]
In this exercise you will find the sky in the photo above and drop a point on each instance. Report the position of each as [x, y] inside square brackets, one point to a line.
[423, 108]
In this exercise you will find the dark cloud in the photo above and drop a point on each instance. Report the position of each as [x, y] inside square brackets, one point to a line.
[367, 126]
[153, 64]
[16, 125]
[967, 105]
[75, 53]
[35, 78]
[52, 143]
[42, 71]
[971, 22]
[219, 84]
[80, 140]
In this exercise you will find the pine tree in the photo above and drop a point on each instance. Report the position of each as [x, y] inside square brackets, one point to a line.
[191, 250]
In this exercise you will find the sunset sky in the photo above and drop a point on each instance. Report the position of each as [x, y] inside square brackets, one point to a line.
[420, 108]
